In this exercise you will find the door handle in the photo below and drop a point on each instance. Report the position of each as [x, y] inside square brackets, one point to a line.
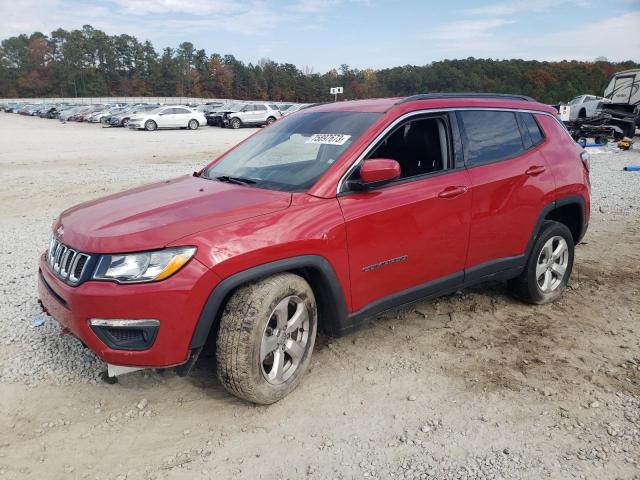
[535, 170]
[452, 192]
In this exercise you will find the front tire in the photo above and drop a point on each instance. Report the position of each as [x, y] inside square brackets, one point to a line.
[150, 125]
[235, 123]
[549, 266]
[193, 125]
[125, 122]
[266, 336]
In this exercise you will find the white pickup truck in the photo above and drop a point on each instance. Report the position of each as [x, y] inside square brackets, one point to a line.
[585, 106]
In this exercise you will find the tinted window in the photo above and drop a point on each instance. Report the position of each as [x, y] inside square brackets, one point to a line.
[260, 107]
[180, 110]
[248, 108]
[489, 135]
[531, 126]
[419, 146]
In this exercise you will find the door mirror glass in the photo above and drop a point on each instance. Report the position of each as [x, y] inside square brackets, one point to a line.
[377, 171]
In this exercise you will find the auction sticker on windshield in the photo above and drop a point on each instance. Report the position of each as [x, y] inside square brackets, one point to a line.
[328, 138]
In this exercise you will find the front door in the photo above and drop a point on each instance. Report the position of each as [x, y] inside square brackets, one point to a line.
[411, 233]
[165, 118]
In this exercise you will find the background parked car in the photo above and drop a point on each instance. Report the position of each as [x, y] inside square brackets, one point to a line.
[122, 119]
[168, 117]
[585, 106]
[215, 117]
[252, 114]
[69, 112]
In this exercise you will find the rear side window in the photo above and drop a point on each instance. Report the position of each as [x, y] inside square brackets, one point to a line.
[531, 133]
[489, 136]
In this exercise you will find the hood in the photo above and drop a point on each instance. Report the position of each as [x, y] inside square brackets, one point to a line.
[155, 215]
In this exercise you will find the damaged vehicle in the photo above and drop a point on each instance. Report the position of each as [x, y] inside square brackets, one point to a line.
[316, 223]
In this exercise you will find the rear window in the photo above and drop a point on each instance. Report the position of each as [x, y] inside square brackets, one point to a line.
[489, 135]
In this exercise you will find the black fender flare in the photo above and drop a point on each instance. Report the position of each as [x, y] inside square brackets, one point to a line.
[559, 202]
[331, 298]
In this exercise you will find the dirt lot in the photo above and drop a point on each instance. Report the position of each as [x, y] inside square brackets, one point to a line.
[475, 385]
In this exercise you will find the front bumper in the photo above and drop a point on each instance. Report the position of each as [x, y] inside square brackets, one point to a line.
[175, 302]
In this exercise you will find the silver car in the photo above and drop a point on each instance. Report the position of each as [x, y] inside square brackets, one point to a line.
[254, 114]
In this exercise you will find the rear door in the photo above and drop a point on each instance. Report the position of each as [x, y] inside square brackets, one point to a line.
[510, 185]
[181, 117]
[411, 233]
[260, 115]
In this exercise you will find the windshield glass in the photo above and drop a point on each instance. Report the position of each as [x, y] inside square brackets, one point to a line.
[295, 152]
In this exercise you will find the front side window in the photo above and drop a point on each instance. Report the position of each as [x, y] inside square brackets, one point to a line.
[180, 110]
[419, 146]
[295, 152]
[489, 135]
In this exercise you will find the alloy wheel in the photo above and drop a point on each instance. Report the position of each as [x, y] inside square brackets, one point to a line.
[285, 340]
[552, 264]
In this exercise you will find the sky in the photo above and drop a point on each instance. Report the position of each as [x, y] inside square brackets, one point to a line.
[324, 34]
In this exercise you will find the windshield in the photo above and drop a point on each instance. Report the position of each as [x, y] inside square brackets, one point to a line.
[295, 152]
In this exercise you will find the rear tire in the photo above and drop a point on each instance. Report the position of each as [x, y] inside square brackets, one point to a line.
[270, 120]
[266, 336]
[548, 268]
[193, 124]
[235, 123]
[150, 125]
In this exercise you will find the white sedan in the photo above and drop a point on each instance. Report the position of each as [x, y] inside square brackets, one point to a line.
[168, 117]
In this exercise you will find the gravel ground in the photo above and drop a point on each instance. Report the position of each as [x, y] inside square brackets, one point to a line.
[615, 190]
[475, 385]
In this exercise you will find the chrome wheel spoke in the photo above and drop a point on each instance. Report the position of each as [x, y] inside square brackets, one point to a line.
[277, 370]
[282, 312]
[268, 345]
[297, 320]
[559, 270]
[295, 350]
[546, 282]
[560, 249]
[540, 269]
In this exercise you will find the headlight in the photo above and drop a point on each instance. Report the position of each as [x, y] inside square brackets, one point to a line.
[144, 266]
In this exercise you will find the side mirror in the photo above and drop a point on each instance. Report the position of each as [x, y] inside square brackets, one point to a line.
[378, 171]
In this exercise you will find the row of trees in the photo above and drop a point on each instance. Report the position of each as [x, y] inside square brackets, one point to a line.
[88, 62]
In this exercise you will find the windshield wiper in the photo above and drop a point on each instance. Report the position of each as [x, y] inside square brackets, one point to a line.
[236, 180]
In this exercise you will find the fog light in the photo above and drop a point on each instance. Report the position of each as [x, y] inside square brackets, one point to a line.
[125, 334]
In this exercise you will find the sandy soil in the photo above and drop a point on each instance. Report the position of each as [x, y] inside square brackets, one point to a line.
[437, 390]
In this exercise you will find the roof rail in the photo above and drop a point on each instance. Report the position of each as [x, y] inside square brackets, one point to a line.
[435, 96]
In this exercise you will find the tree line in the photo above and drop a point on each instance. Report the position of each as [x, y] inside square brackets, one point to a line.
[88, 63]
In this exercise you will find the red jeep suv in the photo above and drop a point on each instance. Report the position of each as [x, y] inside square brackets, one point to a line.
[327, 217]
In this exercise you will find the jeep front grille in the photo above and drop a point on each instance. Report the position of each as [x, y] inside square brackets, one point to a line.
[66, 263]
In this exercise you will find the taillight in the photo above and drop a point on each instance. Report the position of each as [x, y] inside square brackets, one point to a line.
[584, 156]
